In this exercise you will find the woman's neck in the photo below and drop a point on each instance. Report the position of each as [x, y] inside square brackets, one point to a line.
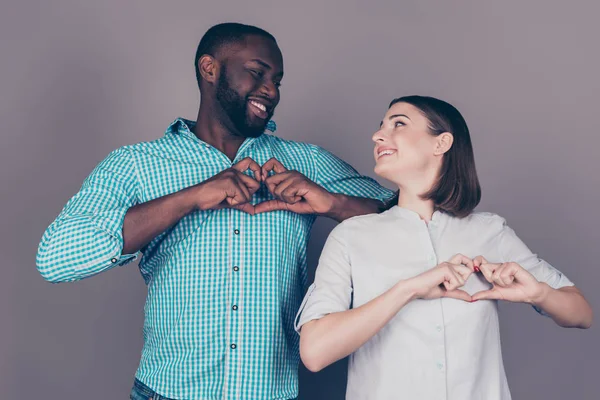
[411, 200]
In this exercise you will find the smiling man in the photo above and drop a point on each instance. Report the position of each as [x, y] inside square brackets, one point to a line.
[221, 212]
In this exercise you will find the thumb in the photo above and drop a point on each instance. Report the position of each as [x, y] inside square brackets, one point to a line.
[458, 294]
[487, 295]
[270, 205]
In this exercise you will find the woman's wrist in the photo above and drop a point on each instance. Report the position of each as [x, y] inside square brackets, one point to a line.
[541, 295]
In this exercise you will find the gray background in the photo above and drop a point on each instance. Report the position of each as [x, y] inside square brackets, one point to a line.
[80, 78]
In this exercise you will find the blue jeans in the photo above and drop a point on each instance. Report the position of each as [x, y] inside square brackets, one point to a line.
[143, 392]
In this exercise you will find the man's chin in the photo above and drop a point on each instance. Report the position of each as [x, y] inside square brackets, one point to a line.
[255, 128]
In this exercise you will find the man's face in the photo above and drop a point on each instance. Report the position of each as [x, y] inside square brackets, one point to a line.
[248, 85]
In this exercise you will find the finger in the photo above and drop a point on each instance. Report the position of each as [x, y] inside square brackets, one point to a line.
[487, 269]
[281, 186]
[451, 282]
[507, 276]
[270, 205]
[462, 259]
[496, 276]
[272, 165]
[477, 261]
[249, 164]
[237, 194]
[520, 274]
[250, 183]
[463, 271]
[290, 194]
[246, 207]
[275, 180]
[487, 295]
[458, 294]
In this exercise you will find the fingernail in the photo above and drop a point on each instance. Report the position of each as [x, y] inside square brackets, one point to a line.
[477, 269]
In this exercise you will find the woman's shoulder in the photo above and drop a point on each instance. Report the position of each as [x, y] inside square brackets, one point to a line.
[361, 225]
[486, 220]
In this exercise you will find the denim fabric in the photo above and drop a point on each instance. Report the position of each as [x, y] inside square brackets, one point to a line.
[143, 392]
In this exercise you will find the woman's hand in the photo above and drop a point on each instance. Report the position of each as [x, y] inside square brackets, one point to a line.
[510, 281]
[444, 280]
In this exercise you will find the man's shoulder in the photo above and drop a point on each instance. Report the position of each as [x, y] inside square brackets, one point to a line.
[287, 144]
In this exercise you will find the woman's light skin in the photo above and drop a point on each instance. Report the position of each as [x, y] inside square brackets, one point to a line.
[416, 155]
[410, 157]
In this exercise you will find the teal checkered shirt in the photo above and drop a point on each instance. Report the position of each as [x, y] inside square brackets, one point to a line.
[223, 286]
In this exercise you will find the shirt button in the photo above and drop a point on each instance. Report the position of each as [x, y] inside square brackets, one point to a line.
[440, 365]
[233, 346]
[113, 260]
[234, 308]
[431, 257]
[237, 231]
[438, 328]
[236, 268]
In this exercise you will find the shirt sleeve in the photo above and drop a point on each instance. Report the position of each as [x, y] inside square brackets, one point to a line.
[512, 249]
[86, 238]
[332, 289]
[337, 176]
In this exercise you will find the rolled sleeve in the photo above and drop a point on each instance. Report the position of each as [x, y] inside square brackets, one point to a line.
[337, 176]
[86, 238]
[512, 249]
[332, 290]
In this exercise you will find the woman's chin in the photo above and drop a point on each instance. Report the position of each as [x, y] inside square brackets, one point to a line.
[383, 171]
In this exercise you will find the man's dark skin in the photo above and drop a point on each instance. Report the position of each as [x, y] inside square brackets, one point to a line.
[238, 74]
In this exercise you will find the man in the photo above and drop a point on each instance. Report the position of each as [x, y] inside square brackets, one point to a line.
[222, 214]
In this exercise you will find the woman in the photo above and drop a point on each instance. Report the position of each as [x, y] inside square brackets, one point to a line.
[411, 294]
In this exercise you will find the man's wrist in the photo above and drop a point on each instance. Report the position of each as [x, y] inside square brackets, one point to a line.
[334, 205]
[189, 199]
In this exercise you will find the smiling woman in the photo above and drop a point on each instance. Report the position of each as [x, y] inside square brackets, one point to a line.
[410, 294]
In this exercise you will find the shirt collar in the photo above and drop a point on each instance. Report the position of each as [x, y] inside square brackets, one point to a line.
[412, 215]
[185, 127]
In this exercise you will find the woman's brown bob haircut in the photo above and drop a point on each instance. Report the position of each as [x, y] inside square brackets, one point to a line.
[457, 191]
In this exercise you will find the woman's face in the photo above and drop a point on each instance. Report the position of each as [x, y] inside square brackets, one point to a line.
[404, 148]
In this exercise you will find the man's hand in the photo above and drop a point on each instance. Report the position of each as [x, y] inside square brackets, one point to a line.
[293, 192]
[230, 188]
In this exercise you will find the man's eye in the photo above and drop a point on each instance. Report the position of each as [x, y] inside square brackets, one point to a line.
[256, 73]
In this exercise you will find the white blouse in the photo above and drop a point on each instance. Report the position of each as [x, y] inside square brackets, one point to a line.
[432, 349]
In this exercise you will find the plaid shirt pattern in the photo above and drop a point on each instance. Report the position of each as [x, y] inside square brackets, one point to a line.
[223, 286]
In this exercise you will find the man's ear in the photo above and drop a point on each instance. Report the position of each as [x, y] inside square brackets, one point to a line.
[209, 68]
[443, 143]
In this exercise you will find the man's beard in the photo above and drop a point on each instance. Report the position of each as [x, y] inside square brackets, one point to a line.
[236, 108]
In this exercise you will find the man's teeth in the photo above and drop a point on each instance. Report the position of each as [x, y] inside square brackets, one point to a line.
[258, 105]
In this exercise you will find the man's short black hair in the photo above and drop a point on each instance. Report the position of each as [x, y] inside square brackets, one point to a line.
[224, 34]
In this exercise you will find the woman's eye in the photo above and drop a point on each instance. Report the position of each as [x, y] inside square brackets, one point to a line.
[398, 123]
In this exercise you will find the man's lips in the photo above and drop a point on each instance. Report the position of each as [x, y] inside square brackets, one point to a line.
[259, 108]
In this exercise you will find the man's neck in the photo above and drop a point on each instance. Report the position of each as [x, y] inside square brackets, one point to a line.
[211, 130]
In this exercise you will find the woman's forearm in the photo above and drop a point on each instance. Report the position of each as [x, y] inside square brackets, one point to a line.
[335, 336]
[566, 306]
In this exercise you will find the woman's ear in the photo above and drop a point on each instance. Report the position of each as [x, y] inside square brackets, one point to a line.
[443, 143]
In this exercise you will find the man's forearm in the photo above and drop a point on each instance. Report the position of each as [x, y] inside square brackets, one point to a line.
[344, 207]
[146, 221]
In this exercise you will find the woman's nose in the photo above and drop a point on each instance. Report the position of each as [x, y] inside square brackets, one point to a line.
[377, 136]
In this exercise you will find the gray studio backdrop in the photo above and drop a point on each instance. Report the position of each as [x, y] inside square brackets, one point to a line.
[81, 78]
